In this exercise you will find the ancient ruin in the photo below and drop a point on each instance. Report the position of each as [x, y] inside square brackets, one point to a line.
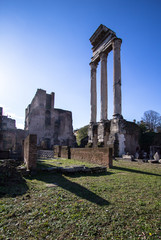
[11, 138]
[52, 126]
[124, 135]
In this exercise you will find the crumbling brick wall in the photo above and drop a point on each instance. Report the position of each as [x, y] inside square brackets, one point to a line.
[30, 151]
[102, 156]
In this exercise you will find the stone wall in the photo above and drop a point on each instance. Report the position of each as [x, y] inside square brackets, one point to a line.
[65, 152]
[63, 129]
[101, 156]
[12, 140]
[122, 134]
[57, 151]
[30, 151]
[52, 126]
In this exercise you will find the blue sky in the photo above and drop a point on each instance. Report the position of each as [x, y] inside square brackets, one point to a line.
[45, 44]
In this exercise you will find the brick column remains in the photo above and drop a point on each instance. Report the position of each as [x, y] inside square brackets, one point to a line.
[30, 151]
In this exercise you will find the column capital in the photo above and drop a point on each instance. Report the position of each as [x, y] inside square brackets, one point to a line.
[103, 56]
[93, 65]
[116, 43]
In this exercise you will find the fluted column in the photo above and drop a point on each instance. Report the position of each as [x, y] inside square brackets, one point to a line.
[93, 92]
[117, 78]
[103, 59]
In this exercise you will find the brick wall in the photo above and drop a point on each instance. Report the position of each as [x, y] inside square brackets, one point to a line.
[102, 156]
[30, 151]
[65, 152]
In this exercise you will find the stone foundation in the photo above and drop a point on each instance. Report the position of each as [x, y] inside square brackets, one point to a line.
[123, 135]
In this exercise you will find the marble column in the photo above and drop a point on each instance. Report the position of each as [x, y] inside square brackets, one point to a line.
[103, 59]
[117, 78]
[93, 92]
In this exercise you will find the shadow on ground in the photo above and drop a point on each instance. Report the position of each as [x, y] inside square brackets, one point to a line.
[13, 189]
[12, 183]
[135, 171]
[71, 186]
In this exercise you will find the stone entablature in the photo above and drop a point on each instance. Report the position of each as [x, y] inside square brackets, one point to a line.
[101, 41]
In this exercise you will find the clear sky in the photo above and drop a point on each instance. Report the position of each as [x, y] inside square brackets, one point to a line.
[45, 44]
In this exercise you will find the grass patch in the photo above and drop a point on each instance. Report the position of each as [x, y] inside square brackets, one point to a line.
[61, 162]
[122, 204]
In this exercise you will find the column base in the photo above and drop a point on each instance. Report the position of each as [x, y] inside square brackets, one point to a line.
[117, 116]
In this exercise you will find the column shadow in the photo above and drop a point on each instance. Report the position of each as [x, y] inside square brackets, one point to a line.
[135, 171]
[72, 187]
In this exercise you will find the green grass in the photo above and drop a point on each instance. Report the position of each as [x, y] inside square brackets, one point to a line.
[124, 203]
[61, 162]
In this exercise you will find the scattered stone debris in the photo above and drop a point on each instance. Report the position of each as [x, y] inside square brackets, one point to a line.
[153, 161]
[52, 185]
[128, 157]
[76, 169]
[156, 156]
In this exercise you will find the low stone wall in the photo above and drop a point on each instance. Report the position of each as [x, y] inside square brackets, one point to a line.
[65, 152]
[62, 151]
[30, 151]
[45, 154]
[57, 151]
[102, 156]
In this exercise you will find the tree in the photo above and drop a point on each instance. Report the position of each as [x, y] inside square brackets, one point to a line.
[81, 133]
[143, 126]
[152, 120]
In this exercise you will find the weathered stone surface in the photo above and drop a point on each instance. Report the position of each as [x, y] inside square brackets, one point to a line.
[104, 40]
[101, 41]
[123, 135]
[11, 138]
[117, 78]
[30, 152]
[156, 156]
[76, 169]
[153, 161]
[101, 156]
[52, 126]
[93, 93]
[128, 157]
[103, 59]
